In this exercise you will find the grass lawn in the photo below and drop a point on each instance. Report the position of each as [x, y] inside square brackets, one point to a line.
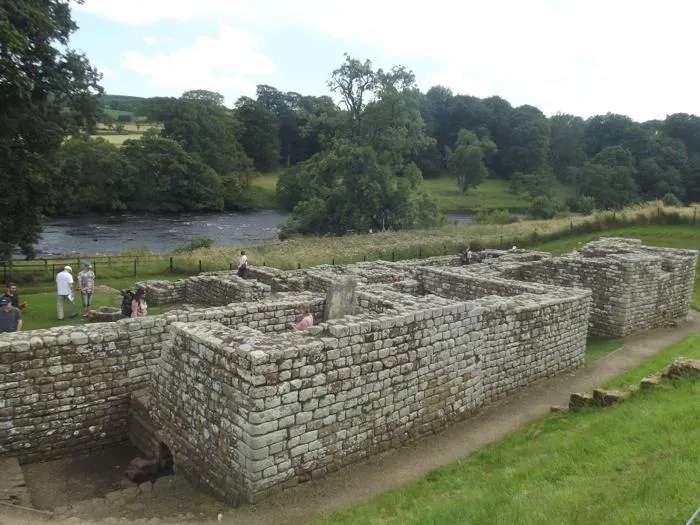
[41, 299]
[492, 194]
[597, 347]
[264, 191]
[118, 140]
[633, 463]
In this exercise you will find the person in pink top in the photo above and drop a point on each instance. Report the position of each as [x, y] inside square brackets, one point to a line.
[307, 319]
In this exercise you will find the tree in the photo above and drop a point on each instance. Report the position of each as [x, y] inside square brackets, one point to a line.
[529, 142]
[209, 133]
[168, 179]
[566, 145]
[467, 160]
[203, 95]
[354, 81]
[609, 178]
[47, 92]
[93, 176]
[260, 138]
[604, 131]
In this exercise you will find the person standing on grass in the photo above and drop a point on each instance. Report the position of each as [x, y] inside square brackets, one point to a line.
[64, 292]
[139, 307]
[242, 264]
[10, 317]
[11, 294]
[86, 281]
[469, 255]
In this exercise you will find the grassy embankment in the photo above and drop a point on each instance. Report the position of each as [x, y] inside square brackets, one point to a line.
[632, 463]
[492, 194]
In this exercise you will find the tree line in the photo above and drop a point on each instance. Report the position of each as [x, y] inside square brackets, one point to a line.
[356, 165]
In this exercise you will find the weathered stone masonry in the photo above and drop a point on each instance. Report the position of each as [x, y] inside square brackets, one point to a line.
[249, 407]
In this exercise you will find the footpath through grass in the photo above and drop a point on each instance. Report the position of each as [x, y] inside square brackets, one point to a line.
[633, 463]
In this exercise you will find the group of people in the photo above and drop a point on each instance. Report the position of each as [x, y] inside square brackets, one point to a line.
[11, 310]
[64, 290]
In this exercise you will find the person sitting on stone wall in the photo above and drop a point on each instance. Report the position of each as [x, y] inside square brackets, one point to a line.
[139, 307]
[307, 319]
[10, 317]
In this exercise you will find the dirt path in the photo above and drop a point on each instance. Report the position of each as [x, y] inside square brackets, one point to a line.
[365, 480]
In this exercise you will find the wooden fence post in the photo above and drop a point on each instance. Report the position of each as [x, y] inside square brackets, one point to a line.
[200, 265]
[134, 266]
[170, 266]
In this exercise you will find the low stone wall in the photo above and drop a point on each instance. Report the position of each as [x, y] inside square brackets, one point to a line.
[210, 289]
[247, 414]
[68, 390]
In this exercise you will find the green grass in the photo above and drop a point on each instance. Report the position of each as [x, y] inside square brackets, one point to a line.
[689, 348]
[597, 347]
[41, 299]
[264, 191]
[492, 194]
[631, 464]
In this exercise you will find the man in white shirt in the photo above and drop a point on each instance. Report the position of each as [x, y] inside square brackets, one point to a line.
[242, 264]
[64, 291]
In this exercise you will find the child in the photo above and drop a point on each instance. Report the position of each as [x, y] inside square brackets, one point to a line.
[138, 304]
[86, 281]
[242, 264]
[307, 319]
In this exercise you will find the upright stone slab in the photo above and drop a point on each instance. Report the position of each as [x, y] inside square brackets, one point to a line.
[340, 298]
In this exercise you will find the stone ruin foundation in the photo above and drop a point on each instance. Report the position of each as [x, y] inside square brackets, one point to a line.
[246, 406]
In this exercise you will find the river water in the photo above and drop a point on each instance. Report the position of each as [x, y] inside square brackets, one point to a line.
[113, 234]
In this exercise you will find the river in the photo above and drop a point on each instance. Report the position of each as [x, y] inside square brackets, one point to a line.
[113, 234]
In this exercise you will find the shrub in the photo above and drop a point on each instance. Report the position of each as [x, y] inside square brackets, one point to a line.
[671, 200]
[196, 244]
[581, 204]
[495, 217]
[543, 208]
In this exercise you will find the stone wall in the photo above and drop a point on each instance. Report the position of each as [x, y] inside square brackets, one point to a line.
[634, 287]
[68, 390]
[208, 289]
[247, 414]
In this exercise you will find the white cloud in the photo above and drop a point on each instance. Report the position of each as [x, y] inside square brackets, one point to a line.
[581, 56]
[228, 64]
[150, 40]
[107, 72]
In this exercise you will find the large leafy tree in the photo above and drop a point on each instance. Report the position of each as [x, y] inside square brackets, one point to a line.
[260, 137]
[167, 178]
[47, 92]
[365, 177]
[467, 161]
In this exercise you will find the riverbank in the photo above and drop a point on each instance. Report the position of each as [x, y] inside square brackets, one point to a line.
[492, 194]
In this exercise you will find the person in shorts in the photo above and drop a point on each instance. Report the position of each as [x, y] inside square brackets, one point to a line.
[86, 281]
[64, 292]
[10, 317]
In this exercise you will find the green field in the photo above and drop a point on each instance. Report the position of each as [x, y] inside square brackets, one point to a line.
[264, 191]
[492, 194]
[631, 464]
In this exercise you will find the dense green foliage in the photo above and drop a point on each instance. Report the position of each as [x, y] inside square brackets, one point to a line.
[355, 166]
[47, 92]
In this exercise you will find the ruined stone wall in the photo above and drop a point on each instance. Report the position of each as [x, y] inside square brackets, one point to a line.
[67, 390]
[222, 288]
[211, 289]
[634, 287]
[296, 406]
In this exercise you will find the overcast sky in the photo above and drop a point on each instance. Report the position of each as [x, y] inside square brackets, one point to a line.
[584, 57]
